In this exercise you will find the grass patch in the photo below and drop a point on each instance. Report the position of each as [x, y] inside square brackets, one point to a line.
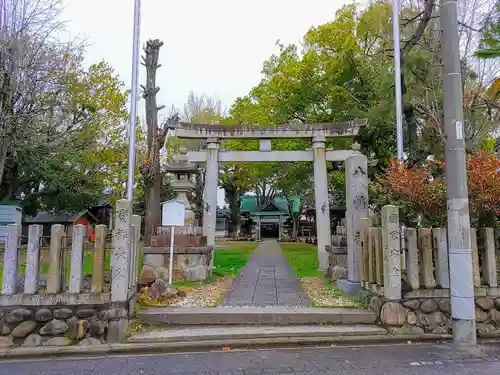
[303, 258]
[229, 261]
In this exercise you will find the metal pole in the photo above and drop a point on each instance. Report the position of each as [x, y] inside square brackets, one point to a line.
[171, 260]
[397, 78]
[459, 242]
[133, 99]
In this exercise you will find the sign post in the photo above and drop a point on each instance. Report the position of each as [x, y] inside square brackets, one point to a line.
[173, 215]
[171, 261]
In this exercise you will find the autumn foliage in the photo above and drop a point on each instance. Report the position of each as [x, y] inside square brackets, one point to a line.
[420, 192]
[484, 187]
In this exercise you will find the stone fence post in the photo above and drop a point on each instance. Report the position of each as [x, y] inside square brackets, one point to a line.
[391, 244]
[32, 270]
[11, 258]
[487, 240]
[365, 224]
[426, 259]
[412, 258]
[134, 261]
[441, 262]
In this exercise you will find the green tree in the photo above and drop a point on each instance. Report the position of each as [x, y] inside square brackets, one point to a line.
[490, 45]
[79, 150]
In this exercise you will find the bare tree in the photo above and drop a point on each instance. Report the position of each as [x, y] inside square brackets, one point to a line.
[422, 87]
[156, 134]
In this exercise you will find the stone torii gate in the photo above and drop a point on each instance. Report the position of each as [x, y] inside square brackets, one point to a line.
[355, 163]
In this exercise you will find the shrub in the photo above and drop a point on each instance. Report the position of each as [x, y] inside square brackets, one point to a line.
[420, 192]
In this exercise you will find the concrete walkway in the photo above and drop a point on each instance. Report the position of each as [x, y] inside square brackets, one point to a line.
[267, 280]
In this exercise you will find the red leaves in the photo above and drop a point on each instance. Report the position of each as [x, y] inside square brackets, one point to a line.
[484, 183]
[426, 194]
[416, 186]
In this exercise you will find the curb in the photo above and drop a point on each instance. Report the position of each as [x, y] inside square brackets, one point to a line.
[71, 352]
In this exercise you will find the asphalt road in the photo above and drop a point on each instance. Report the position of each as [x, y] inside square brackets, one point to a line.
[374, 360]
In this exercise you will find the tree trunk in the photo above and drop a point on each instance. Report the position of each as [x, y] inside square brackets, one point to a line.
[151, 169]
[198, 194]
[10, 181]
[234, 206]
[4, 148]
[153, 210]
[295, 227]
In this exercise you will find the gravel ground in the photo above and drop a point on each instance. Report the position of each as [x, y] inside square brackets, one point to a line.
[200, 295]
[207, 295]
[322, 296]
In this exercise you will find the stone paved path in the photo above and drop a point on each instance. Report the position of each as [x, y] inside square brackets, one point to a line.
[267, 280]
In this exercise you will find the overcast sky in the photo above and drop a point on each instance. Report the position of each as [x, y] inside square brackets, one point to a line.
[215, 47]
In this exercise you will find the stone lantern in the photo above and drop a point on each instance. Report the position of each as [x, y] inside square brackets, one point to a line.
[182, 185]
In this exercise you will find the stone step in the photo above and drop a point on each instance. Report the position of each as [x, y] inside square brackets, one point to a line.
[229, 334]
[254, 316]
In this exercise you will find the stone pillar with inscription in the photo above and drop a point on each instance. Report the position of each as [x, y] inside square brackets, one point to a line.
[210, 193]
[391, 247]
[356, 169]
[322, 203]
[120, 262]
[120, 252]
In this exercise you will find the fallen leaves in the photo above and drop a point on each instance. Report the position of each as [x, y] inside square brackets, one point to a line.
[322, 295]
[206, 295]
[200, 295]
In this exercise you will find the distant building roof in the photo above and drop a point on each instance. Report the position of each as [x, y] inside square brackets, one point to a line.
[10, 203]
[60, 218]
[101, 203]
[250, 204]
[333, 208]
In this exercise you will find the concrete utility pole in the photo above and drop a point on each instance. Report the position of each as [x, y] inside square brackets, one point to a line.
[459, 242]
[397, 78]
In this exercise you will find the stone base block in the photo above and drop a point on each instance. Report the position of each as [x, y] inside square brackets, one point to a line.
[339, 273]
[117, 330]
[196, 273]
[349, 287]
[154, 260]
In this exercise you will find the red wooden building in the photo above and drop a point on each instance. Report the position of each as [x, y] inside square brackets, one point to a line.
[69, 220]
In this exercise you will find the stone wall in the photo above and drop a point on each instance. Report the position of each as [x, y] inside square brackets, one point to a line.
[191, 263]
[31, 326]
[432, 315]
